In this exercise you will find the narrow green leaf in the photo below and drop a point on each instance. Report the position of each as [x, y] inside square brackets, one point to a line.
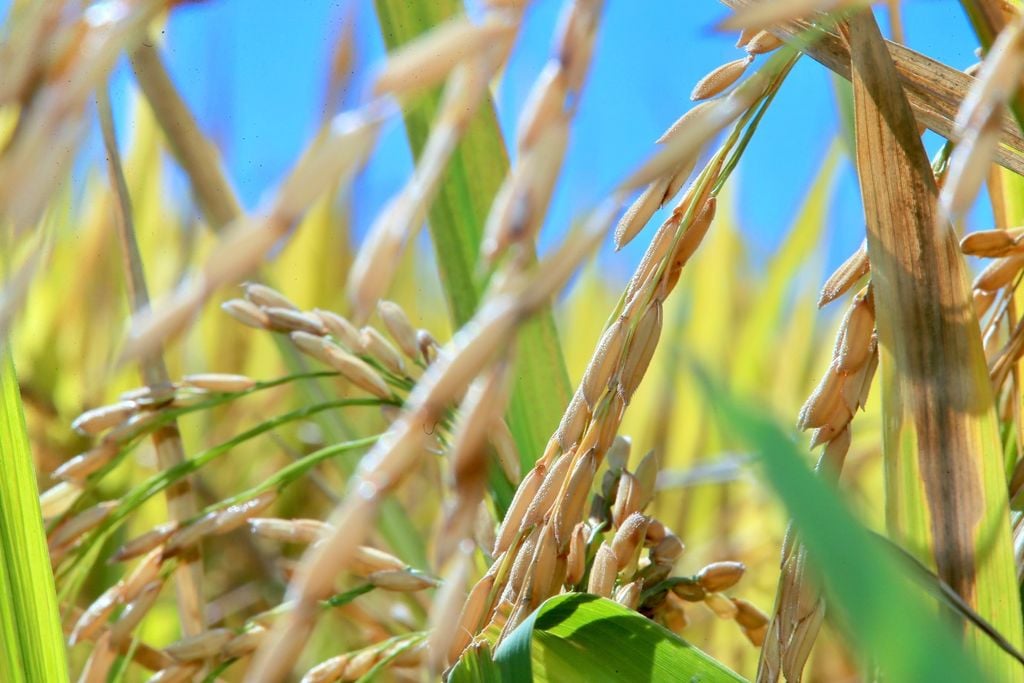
[884, 610]
[946, 494]
[582, 637]
[31, 642]
[457, 217]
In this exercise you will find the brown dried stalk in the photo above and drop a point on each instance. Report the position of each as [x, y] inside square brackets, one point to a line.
[181, 503]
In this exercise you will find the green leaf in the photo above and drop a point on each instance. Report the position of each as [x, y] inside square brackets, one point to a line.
[541, 390]
[31, 642]
[582, 637]
[884, 609]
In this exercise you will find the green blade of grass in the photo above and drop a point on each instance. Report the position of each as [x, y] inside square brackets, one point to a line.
[946, 494]
[31, 643]
[456, 221]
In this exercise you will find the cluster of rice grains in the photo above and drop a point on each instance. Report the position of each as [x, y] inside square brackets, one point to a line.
[365, 357]
[558, 534]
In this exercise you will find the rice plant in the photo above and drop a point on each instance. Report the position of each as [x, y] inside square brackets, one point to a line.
[240, 446]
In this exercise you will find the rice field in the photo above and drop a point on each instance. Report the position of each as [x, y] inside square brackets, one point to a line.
[255, 444]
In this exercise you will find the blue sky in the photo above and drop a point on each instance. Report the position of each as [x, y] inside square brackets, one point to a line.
[254, 71]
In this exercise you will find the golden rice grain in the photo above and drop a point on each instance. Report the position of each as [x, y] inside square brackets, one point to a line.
[746, 35]
[95, 615]
[519, 571]
[356, 371]
[246, 313]
[618, 453]
[548, 492]
[521, 502]
[845, 276]
[629, 539]
[545, 578]
[428, 346]
[304, 531]
[574, 419]
[691, 239]
[640, 351]
[629, 594]
[822, 402]
[343, 331]
[470, 618]
[646, 474]
[689, 590]
[219, 382]
[640, 212]
[375, 345]
[603, 572]
[310, 344]
[748, 615]
[719, 576]
[627, 499]
[327, 671]
[999, 273]
[668, 549]
[721, 606]
[267, 297]
[576, 563]
[145, 543]
[58, 499]
[94, 421]
[72, 529]
[603, 363]
[134, 612]
[720, 78]
[399, 327]
[288, 320]
[141, 576]
[857, 330]
[763, 42]
[482, 406]
[505, 448]
[569, 509]
[82, 465]
[236, 515]
[988, 243]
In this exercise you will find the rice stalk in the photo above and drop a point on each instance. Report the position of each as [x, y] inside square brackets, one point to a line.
[181, 503]
[195, 153]
[945, 488]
